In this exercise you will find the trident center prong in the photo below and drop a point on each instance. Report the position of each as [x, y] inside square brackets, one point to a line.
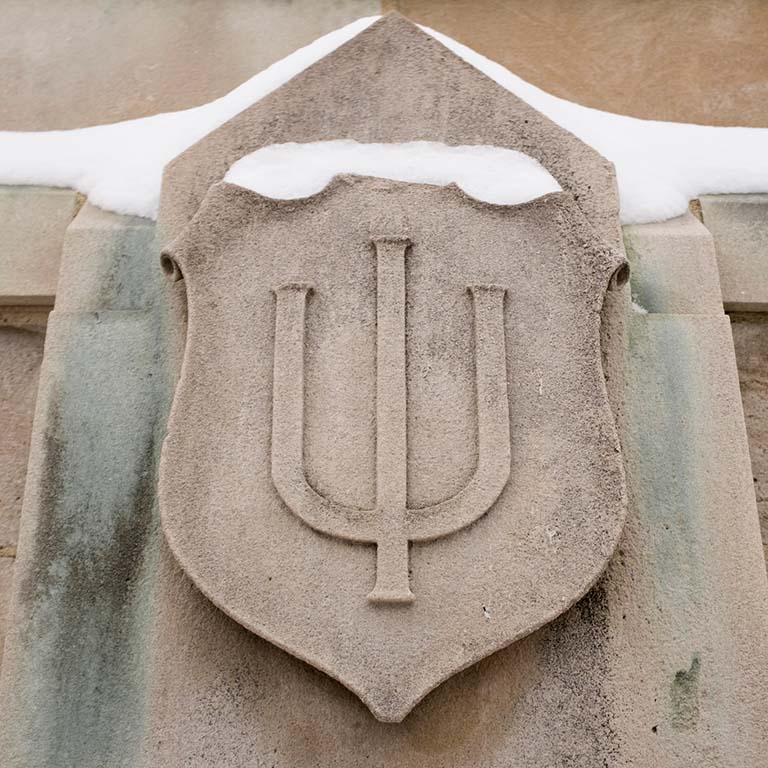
[391, 525]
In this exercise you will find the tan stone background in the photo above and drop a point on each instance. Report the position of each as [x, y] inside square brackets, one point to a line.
[700, 61]
[71, 63]
[80, 62]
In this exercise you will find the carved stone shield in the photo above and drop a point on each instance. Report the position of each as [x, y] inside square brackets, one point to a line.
[391, 451]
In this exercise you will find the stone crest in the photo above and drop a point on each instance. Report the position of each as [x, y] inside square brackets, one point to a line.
[391, 451]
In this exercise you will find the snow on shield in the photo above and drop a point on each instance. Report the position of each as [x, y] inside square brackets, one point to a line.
[391, 451]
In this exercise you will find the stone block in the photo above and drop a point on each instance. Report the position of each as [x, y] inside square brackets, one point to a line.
[6, 584]
[750, 336]
[21, 354]
[674, 270]
[33, 222]
[690, 574]
[411, 461]
[76, 646]
[74, 661]
[106, 263]
[739, 226]
[24, 316]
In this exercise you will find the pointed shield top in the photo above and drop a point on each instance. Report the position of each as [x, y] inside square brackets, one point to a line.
[392, 83]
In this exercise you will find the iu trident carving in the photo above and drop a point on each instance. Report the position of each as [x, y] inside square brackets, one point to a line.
[391, 525]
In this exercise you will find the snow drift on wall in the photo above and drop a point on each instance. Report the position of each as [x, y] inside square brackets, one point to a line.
[660, 166]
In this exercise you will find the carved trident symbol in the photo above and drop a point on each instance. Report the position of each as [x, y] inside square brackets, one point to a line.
[391, 525]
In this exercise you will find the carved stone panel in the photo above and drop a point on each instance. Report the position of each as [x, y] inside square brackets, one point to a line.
[392, 83]
[391, 451]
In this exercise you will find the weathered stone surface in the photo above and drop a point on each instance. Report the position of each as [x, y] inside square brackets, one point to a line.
[470, 108]
[88, 62]
[21, 353]
[363, 409]
[750, 337]
[673, 267]
[662, 664]
[540, 702]
[739, 225]
[116, 659]
[33, 221]
[74, 669]
[689, 577]
[391, 83]
[104, 263]
[24, 316]
[657, 666]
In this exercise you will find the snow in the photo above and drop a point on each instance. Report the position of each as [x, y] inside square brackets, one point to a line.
[120, 166]
[660, 166]
[493, 174]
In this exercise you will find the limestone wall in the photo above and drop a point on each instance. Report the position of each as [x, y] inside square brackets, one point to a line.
[676, 272]
[89, 687]
[739, 226]
[21, 353]
[86, 62]
[33, 222]
[684, 60]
